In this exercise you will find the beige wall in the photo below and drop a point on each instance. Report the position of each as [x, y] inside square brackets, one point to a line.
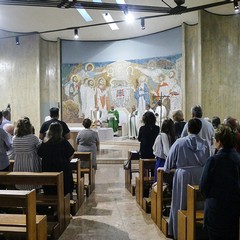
[26, 82]
[212, 57]
[49, 76]
[191, 60]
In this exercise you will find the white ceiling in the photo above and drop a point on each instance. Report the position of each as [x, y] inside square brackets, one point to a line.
[25, 19]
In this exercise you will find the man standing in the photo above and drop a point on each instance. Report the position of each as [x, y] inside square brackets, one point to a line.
[113, 119]
[133, 123]
[207, 131]
[5, 145]
[160, 113]
[6, 118]
[54, 114]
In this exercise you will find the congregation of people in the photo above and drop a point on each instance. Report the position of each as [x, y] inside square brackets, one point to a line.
[49, 152]
[198, 152]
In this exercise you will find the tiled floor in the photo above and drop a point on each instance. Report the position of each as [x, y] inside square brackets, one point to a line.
[111, 212]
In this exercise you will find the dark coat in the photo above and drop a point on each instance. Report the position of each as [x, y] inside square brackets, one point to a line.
[220, 185]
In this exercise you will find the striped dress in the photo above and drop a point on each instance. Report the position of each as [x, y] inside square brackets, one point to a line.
[25, 156]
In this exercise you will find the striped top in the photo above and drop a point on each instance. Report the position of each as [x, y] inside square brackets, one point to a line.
[25, 156]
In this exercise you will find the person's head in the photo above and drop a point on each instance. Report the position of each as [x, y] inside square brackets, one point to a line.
[112, 107]
[149, 118]
[23, 127]
[148, 107]
[196, 111]
[6, 114]
[159, 103]
[168, 128]
[142, 79]
[89, 67]
[101, 81]
[178, 116]
[233, 123]
[97, 108]
[9, 128]
[87, 123]
[215, 121]
[54, 112]
[28, 119]
[54, 133]
[172, 74]
[90, 83]
[194, 126]
[161, 77]
[133, 108]
[225, 137]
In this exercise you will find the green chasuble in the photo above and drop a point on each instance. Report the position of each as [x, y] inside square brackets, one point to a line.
[113, 119]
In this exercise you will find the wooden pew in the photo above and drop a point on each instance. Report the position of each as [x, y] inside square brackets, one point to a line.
[78, 186]
[145, 180]
[133, 168]
[188, 219]
[86, 158]
[158, 200]
[61, 202]
[32, 225]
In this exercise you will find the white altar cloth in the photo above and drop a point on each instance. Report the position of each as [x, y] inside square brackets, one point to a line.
[104, 134]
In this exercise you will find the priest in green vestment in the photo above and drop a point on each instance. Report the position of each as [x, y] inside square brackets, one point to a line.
[113, 119]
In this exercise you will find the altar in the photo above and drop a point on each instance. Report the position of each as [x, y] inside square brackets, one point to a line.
[104, 134]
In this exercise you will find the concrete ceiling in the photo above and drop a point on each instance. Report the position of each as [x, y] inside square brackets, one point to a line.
[54, 22]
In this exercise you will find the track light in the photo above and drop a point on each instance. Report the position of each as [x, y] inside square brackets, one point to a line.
[128, 15]
[17, 40]
[236, 7]
[143, 23]
[76, 33]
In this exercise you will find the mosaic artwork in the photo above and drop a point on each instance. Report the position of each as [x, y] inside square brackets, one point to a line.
[123, 84]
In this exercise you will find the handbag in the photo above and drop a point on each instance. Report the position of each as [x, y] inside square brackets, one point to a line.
[126, 164]
[134, 155]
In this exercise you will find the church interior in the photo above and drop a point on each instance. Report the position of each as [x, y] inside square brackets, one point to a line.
[177, 54]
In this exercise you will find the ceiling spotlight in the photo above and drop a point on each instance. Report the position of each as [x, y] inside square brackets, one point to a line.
[236, 7]
[17, 40]
[76, 33]
[143, 23]
[179, 2]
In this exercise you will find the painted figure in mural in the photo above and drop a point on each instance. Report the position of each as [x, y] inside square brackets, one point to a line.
[175, 92]
[134, 123]
[160, 113]
[142, 95]
[97, 116]
[151, 72]
[102, 94]
[89, 68]
[83, 94]
[162, 92]
[90, 98]
[113, 119]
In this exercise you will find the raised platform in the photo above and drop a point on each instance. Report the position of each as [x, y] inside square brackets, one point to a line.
[116, 151]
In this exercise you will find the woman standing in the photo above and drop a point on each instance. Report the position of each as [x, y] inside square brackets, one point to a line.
[25, 145]
[88, 141]
[56, 153]
[220, 185]
[147, 135]
[162, 144]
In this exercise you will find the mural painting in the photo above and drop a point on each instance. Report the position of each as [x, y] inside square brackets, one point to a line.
[123, 84]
